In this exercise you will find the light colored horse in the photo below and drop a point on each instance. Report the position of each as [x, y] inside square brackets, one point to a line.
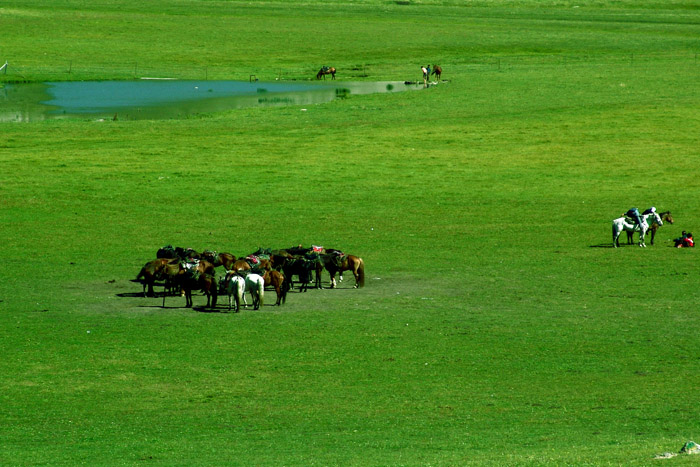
[236, 286]
[255, 284]
[620, 224]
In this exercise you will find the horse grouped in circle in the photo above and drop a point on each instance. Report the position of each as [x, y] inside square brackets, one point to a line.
[665, 217]
[236, 285]
[219, 259]
[197, 275]
[153, 271]
[335, 263]
[437, 71]
[304, 268]
[620, 224]
[326, 71]
[276, 280]
[185, 254]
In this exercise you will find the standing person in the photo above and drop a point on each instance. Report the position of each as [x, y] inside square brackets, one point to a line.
[425, 74]
[428, 71]
[634, 214]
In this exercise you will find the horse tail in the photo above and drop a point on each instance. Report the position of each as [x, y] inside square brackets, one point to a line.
[361, 272]
[261, 293]
[142, 273]
[284, 287]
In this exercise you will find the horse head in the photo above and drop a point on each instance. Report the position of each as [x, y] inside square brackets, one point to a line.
[666, 216]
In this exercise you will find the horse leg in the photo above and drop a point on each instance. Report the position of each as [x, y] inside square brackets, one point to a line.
[211, 298]
[318, 277]
[279, 294]
[616, 236]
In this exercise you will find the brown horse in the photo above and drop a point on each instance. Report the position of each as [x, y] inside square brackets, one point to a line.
[325, 71]
[153, 271]
[437, 71]
[346, 263]
[219, 259]
[257, 262]
[665, 217]
[199, 275]
[239, 266]
[276, 280]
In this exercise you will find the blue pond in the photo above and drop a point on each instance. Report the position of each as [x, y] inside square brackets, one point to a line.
[163, 99]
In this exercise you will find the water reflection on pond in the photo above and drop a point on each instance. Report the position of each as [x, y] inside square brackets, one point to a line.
[163, 99]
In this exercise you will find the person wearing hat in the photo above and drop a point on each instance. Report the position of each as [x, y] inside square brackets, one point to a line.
[651, 210]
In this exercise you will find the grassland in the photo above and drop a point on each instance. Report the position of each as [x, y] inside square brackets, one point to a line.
[497, 326]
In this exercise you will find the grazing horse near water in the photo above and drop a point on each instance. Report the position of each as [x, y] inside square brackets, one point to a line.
[437, 71]
[345, 263]
[620, 224]
[326, 71]
[665, 216]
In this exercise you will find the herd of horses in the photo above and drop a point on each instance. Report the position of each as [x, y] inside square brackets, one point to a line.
[650, 223]
[183, 270]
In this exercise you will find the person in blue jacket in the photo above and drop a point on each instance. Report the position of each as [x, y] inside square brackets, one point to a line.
[634, 214]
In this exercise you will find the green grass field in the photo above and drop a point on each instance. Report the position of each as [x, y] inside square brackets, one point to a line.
[497, 326]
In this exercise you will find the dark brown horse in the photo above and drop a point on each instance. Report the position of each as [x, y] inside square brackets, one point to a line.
[276, 280]
[153, 271]
[345, 263]
[219, 259]
[302, 267]
[665, 217]
[184, 254]
[278, 258]
[199, 275]
[437, 71]
[326, 71]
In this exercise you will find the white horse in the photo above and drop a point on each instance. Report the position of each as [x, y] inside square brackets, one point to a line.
[236, 286]
[255, 284]
[620, 224]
